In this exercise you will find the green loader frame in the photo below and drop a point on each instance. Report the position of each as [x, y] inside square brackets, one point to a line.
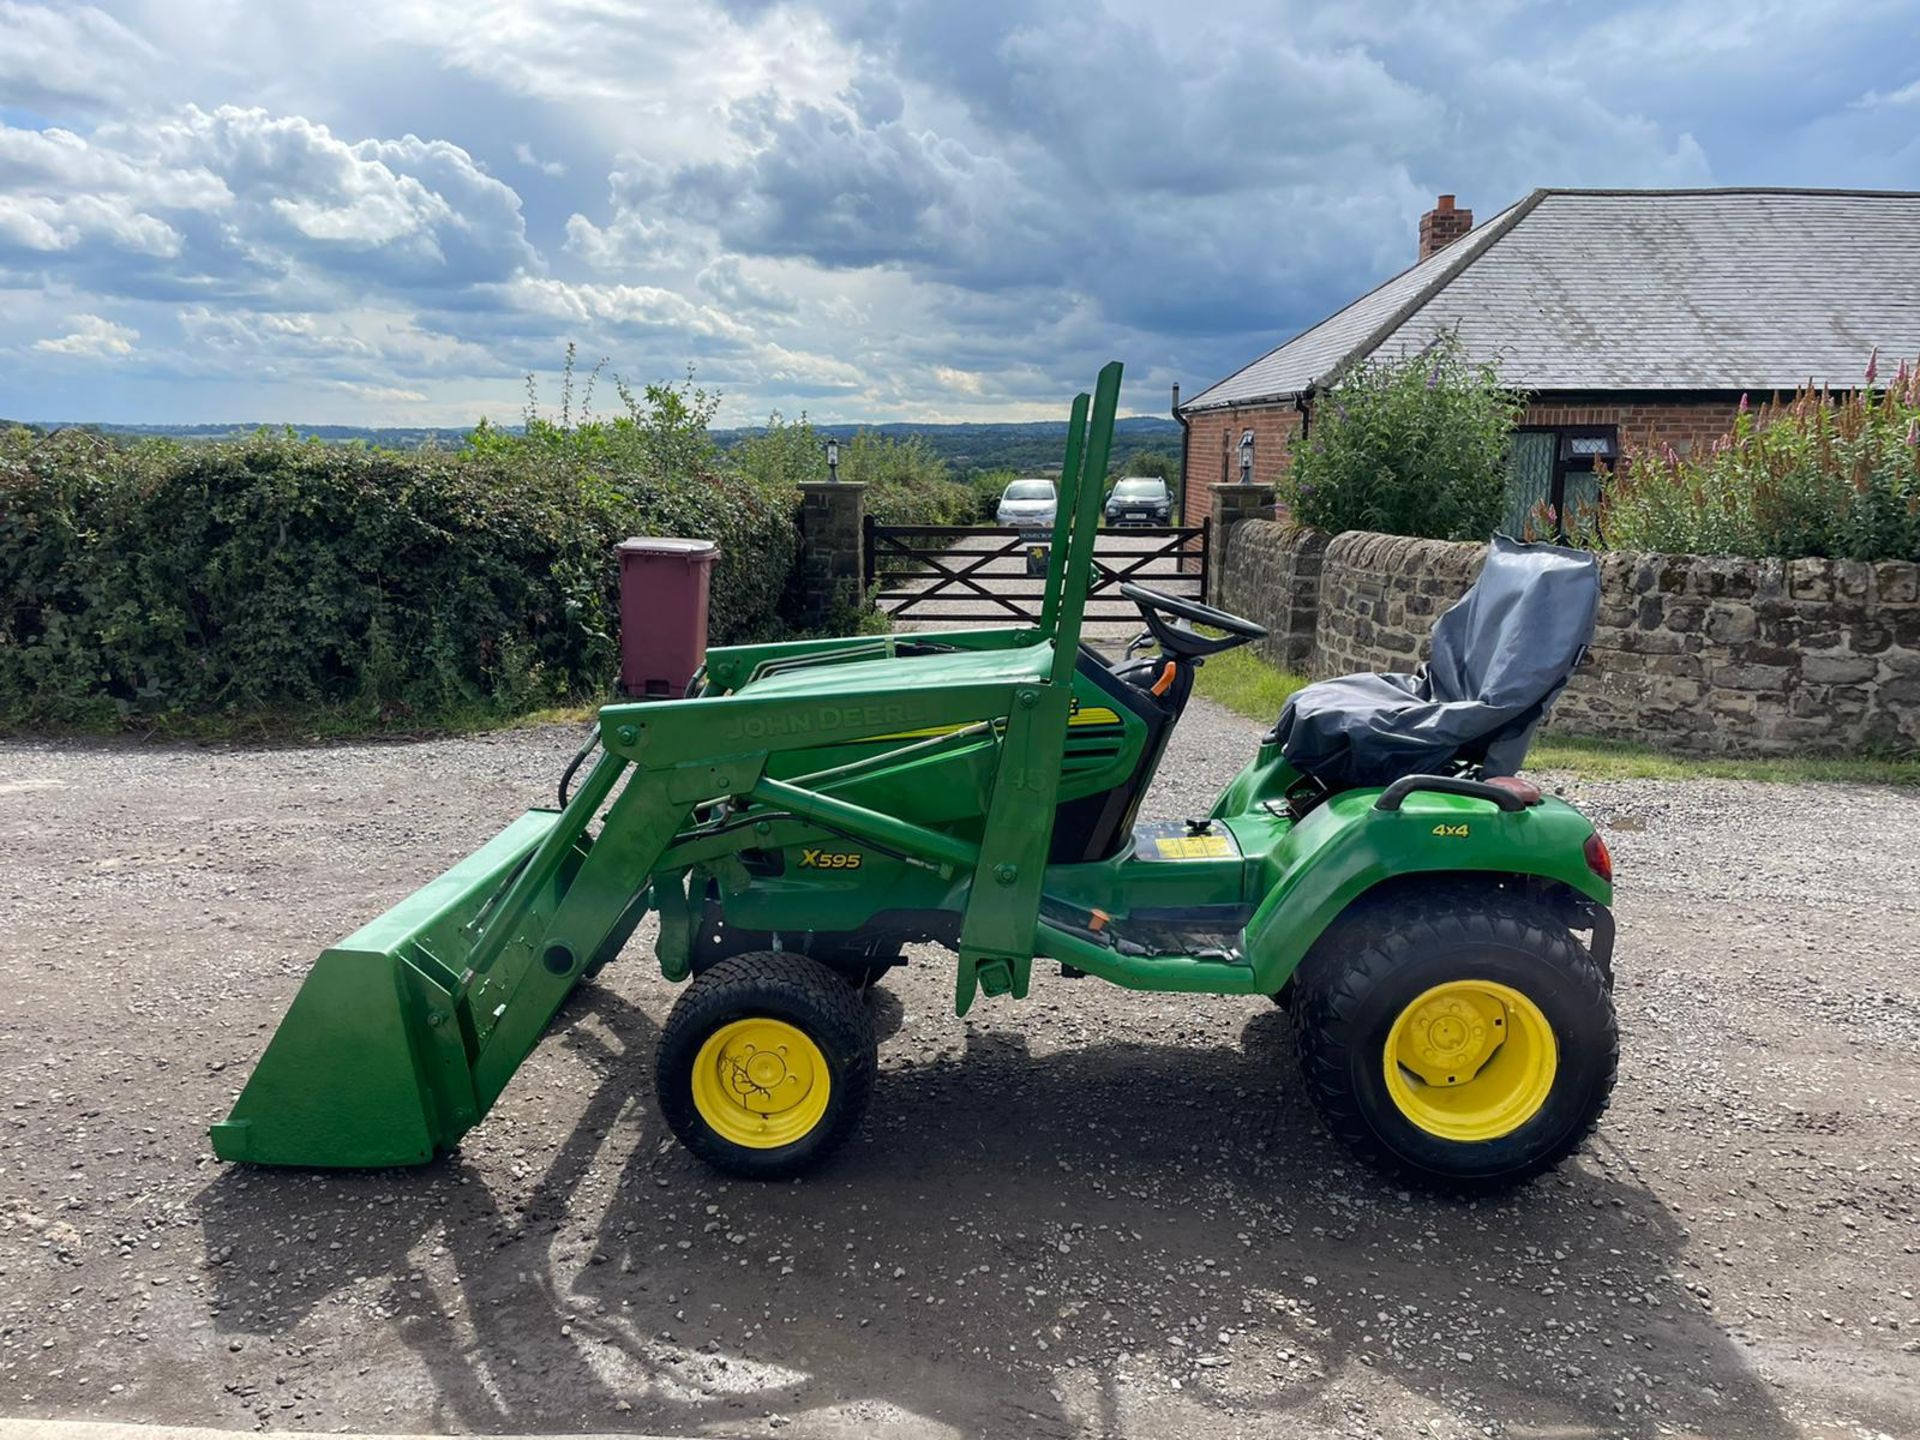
[813, 806]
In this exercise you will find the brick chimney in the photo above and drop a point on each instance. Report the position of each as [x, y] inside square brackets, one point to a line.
[1442, 225]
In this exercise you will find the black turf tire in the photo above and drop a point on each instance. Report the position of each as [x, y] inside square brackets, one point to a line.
[1366, 970]
[782, 986]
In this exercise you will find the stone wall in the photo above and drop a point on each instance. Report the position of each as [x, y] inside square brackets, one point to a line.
[1270, 572]
[1694, 653]
[1379, 597]
[1755, 656]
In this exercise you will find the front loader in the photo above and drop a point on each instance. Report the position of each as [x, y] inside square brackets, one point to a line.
[1439, 929]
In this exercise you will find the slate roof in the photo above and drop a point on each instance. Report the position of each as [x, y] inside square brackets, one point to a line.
[1583, 290]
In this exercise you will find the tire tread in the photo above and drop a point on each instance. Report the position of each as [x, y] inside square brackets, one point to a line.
[788, 985]
[1339, 976]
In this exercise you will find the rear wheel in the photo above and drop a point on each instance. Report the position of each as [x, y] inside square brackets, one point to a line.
[1459, 1039]
[766, 1064]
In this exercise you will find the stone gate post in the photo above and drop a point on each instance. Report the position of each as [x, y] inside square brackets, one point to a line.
[1232, 503]
[832, 551]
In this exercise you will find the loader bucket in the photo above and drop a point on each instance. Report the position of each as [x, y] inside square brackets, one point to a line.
[372, 1065]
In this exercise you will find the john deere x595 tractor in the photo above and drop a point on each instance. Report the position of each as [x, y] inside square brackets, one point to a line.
[1438, 928]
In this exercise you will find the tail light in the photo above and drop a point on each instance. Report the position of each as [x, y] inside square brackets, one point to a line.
[1599, 858]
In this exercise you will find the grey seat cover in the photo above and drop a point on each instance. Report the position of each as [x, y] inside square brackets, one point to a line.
[1500, 657]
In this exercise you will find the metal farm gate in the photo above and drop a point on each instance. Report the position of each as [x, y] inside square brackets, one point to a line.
[991, 574]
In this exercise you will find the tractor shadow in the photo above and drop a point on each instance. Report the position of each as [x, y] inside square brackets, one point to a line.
[1011, 1247]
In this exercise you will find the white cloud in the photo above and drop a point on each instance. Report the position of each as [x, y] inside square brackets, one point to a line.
[68, 54]
[553, 169]
[1890, 99]
[887, 207]
[92, 336]
[344, 343]
[800, 372]
[648, 75]
[966, 380]
[379, 394]
[618, 309]
[50, 225]
[631, 240]
[249, 205]
[63, 163]
[413, 207]
[731, 282]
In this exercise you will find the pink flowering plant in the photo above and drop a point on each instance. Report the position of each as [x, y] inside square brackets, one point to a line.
[1818, 474]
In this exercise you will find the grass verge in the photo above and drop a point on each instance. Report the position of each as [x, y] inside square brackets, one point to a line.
[1244, 683]
[1593, 759]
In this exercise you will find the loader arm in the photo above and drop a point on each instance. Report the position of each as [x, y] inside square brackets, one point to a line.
[404, 1035]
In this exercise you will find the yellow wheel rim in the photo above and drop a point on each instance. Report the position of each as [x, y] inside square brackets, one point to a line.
[1471, 1060]
[761, 1083]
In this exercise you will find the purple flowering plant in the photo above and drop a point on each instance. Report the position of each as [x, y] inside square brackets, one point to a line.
[1415, 444]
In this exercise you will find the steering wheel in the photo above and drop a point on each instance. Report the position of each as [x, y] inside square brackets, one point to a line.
[1155, 606]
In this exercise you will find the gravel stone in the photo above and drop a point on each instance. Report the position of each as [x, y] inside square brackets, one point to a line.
[1091, 1213]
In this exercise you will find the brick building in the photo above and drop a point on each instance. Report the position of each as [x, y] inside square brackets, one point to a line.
[1625, 316]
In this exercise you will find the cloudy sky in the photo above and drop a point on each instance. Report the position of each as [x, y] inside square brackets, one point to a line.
[388, 211]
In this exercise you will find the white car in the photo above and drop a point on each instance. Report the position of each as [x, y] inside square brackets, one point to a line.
[1029, 504]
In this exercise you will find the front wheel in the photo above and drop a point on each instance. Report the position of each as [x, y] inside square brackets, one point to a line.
[1457, 1039]
[765, 1064]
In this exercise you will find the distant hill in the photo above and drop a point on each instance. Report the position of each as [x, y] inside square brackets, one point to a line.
[401, 437]
[1034, 446]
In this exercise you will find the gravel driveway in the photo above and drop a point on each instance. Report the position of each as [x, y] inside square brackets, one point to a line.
[1091, 1214]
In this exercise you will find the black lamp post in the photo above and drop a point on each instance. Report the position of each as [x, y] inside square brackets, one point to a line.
[1246, 457]
[833, 460]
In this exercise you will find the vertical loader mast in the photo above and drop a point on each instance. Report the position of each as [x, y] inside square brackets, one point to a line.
[997, 937]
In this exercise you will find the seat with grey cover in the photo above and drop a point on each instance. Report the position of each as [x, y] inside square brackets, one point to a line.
[1500, 658]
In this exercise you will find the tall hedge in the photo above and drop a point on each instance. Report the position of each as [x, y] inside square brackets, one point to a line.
[274, 575]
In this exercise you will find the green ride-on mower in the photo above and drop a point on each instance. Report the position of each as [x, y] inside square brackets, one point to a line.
[812, 806]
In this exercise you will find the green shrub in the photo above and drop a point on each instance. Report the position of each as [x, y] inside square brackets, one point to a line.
[1810, 476]
[1414, 446]
[1159, 464]
[785, 455]
[657, 471]
[274, 576]
[907, 483]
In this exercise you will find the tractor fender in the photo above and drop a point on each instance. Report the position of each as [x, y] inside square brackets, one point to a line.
[1346, 847]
